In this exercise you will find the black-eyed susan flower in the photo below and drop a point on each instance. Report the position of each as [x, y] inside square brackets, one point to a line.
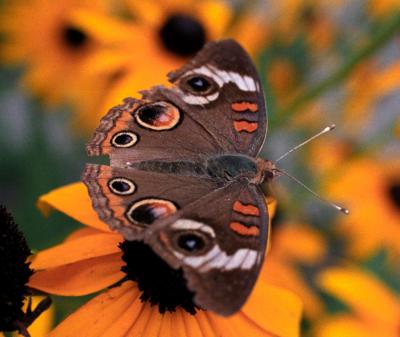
[15, 272]
[42, 35]
[371, 189]
[93, 259]
[374, 309]
[294, 245]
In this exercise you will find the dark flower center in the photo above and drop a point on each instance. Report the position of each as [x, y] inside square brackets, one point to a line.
[394, 193]
[183, 35]
[159, 283]
[14, 271]
[74, 37]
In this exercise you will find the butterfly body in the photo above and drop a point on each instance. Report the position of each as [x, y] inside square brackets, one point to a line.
[185, 174]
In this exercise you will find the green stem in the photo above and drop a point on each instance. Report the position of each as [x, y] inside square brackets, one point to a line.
[385, 32]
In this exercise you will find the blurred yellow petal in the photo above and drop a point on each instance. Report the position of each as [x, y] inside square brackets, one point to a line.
[344, 326]
[80, 278]
[65, 199]
[100, 313]
[76, 250]
[310, 246]
[274, 309]
[281, 274]
[362, 292]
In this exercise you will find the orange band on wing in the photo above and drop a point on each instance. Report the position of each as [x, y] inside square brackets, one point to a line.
[244, 230]
[245, 126]
[246, 209]
[244, 106]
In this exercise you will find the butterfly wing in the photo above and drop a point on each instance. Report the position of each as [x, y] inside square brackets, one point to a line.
[219, 241]
[215, 106]
[221, 89]
[130, 200]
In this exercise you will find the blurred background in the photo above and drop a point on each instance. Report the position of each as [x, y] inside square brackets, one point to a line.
[64, 63]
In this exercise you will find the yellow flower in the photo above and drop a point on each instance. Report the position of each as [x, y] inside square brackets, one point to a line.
[371, 190]
[375, 309]
[381, 8]
[293, 245]
[89, 260]
[163, 36]
[42, 35]
[366, 87]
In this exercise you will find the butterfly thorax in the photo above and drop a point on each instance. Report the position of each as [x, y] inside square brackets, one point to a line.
[225, 167]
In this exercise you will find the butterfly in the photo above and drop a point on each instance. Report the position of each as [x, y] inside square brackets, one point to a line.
[184, 175]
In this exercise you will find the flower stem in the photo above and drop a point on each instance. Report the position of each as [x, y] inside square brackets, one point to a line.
[378, 39]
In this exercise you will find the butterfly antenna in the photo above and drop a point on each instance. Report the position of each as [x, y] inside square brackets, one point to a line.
[337, 207]
[327, 129]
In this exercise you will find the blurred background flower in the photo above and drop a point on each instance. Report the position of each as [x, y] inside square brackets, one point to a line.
[65, 63]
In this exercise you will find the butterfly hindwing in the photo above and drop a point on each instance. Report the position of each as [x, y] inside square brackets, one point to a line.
[219, 241]
[130, 200]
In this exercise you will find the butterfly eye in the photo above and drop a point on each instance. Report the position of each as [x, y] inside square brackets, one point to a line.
[198, 85]
[122, 186]
[191, 242]
[158, 116]
[147, 211]
[124, 139]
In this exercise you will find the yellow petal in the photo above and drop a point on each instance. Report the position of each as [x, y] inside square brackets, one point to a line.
[281, 274]
[76, 250]
[166, 329]
[80, 278]
[191, 324]
[346, 325]
[65, 199]
[309, 248]
[153, 324]
[142, 320]
[362, 292]
[100, 313]
[274, 309]
[42, 325]
[205, 325]
[85, 231]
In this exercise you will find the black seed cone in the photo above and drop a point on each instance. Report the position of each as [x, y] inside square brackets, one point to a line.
[161, 285]
[14, 272]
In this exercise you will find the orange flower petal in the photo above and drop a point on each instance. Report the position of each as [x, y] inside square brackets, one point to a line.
[153, 324]
[361, 291]
[205, 325]
[142, 320]
[221, 326]
[65, 199]
[121, 326]
[245, 327]
[94, 317]
[165, 328]
[281, 274]
[345, 325]
[309, 248]
[192, 326]
[274, 309]
[80, 278]
[76, 250]
[85, 231]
